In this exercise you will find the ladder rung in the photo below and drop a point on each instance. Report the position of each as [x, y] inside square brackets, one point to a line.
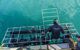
[49, 9]
[50, 16]
[66, 30]
[50, 24]
[45, 15]
[47, 20]
[70, 26]
[49, 12]
[73, 29]
[65, 23]
[74, 33]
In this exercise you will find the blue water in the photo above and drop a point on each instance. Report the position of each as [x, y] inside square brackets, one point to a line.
[28, 12]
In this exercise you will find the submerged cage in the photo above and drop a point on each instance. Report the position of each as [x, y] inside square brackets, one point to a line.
[25, 36]
[32, 35]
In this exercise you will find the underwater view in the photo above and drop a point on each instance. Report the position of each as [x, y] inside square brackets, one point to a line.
[16, 13]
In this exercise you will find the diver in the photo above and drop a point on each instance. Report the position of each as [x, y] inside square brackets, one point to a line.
[56, 29]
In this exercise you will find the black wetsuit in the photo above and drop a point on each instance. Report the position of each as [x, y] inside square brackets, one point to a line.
[56, 30]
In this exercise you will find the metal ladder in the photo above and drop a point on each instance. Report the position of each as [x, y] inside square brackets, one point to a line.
[48, 15]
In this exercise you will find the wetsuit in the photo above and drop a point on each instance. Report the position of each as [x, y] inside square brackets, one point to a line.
[56, 30]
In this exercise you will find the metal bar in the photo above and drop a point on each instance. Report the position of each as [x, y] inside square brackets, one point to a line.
[5, 35]
[18, 34]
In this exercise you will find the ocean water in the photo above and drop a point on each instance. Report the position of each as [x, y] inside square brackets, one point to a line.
[15, 13]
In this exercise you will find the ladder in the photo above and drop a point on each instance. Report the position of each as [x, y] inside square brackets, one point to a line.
[48, 15]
